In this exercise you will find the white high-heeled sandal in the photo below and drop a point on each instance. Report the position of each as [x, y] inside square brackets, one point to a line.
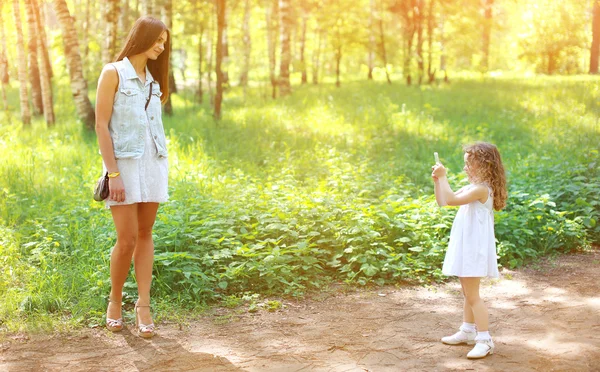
[143, 330]
[114, 325]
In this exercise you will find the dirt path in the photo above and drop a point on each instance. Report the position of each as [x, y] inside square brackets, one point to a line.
[543, 318]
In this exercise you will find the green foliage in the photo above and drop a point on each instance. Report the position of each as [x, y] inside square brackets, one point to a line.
[284, 197]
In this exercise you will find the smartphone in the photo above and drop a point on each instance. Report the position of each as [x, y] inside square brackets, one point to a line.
[437, 158]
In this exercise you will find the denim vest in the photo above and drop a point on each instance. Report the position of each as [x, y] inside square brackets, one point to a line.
[129, 119]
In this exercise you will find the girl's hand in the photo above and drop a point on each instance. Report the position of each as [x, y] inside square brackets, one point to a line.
[117, 189]
[438, 171]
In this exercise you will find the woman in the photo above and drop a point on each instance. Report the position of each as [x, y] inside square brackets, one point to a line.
[133, 147]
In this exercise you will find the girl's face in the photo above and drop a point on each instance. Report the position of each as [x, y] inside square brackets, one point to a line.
[158, 47]
[469, 167]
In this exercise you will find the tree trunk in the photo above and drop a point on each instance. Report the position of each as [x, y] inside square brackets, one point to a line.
[338, 62]
[271, 16]
[487, 31]
[209, 58]
[552, 62]
[443, 48]
[303, 47]
[168, 21]
[147, 8]
[86, 30]
[317, 56]
[225, 62]
[111, 18]
[34, 71]
[246, 44]
[419, 24]
[4, 78]
[45, 80]
[284, 38]
[595, 49]
[430, 22]
[41, 16]
[410, 34]
[22, 66]
[371, 54]
[78, 83]
[382, 41]
[220, 46]
[200, 54]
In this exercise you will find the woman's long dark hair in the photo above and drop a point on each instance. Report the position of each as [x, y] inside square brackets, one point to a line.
[142, 37]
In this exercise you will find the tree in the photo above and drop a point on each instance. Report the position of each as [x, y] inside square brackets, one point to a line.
[22, 66]
[73, 58]
[285, 26]
[247, 44]
[34, 71]
[147, 7]
[168, 21]
[45, 77]
[406, 11]
[487, 32]
[220, 29]
[4, 77]
[555, 36]
[595, 48]
[111, 18]
[271, 10]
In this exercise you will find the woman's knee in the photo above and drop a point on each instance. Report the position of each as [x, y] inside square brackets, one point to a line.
[126, 245]
[145, 233]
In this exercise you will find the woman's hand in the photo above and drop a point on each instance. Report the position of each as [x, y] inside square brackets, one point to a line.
[117, 189]
[438, 171]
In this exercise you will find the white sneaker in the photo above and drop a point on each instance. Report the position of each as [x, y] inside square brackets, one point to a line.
[460, 337]
[482, 349]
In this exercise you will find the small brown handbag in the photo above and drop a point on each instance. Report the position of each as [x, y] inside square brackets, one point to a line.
[101, 190]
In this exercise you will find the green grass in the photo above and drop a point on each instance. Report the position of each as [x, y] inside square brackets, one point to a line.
[282, 197]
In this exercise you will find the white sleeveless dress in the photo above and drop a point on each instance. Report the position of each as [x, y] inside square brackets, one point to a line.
[145, 179]
[472, 247]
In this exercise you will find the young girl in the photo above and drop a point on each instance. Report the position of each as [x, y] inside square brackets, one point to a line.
[471, 252]
[134, 152]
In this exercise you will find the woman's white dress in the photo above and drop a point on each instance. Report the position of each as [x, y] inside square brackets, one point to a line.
[472, 248]
[145, 179]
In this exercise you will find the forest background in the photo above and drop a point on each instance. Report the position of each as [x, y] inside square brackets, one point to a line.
[300, 139]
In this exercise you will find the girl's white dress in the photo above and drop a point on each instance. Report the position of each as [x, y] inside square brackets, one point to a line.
[472, 248]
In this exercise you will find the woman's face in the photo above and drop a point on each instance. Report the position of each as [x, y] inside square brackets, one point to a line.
[158, 47]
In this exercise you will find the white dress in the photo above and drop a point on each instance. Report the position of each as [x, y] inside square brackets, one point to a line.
[145, 179]
[472, 248]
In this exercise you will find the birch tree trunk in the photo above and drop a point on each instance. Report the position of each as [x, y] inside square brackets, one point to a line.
[111, 18]
[271, 16]
[147, 8]
[371, 55]
[382, 42]
[22, 66]
[595, 48]
[168, 21]
[78, 83]
[430, 22]
[34, 71]
[284, 38]
[487, 31]
[4, 78]
[246, 45]
[220, 46]
[40, 16]
[209, 59]
[303, 47]
[45, 79]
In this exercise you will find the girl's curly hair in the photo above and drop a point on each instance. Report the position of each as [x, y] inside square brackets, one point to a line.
[485, 159]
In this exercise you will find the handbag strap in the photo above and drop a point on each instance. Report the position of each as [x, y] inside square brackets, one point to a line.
[149, 96]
